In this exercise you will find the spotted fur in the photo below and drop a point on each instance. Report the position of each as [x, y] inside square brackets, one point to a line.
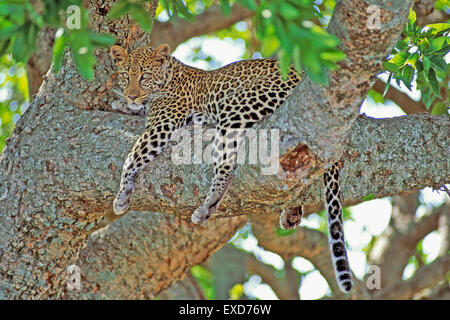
[290, 218]
[172, 95]
[336, 229]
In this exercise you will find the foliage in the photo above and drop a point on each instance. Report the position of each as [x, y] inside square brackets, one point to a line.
[205, 279]
[21, 21]
[236, 292]
[284, 232]
[420, 55]
[283, 26]
[298, 39]
[13, 95]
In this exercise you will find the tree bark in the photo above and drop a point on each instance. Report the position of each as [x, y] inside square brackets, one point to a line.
[144, 253]
[61, 167]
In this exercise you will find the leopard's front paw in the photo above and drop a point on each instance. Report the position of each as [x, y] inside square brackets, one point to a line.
[203, 213]
[122, 201]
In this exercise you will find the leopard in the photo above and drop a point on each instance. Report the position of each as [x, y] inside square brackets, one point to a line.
[233, 98]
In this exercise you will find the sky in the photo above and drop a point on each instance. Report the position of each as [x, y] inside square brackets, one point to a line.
[369, 218]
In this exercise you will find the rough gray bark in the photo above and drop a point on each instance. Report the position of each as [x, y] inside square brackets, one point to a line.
[61, 167]
[142, 254]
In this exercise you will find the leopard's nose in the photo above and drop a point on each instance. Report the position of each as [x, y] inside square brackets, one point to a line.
[132, 97]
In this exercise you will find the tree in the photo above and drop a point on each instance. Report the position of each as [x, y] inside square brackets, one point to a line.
[61, 164]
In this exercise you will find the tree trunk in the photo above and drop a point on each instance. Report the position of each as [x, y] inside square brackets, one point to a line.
[61, 167]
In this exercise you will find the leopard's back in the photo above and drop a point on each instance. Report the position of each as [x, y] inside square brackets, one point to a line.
[245, 91]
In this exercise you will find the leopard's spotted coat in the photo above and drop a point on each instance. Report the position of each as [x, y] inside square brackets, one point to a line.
[233, 97]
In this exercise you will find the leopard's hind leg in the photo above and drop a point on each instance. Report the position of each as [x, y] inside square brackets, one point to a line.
[291, 217]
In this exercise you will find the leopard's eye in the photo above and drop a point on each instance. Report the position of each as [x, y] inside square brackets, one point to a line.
[145, 75]
[124, 75]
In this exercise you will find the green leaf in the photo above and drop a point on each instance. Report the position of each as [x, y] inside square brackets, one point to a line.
[397, 80]
[439, 27]
[438, 63]
[32, 35]
[387, 66]
[285, 63]
[333, 56]
[288, 11]
[225, 6]
[15, 12]
[7, 29]
[236, 291]
[426, 98]
[58, 50]
[85, 63]
[433, 82]
[376, 96]
[407, 76]
[423, 45]
[440, 109]
[283, 233]
[297, 58]
[282, 34]
[426, 63]
[119, 9]
[102, 40]
[399, 59]
[141, 16]
[444, 50]
[412, 16]
[388, 83]
[183, 10]
[437, 43]
[20, 49]
[368, 197]
[205, 279]
[412, 59]
[4, 46]
[314, 67]
[251, 4]
[403, 44]
[82, 52]
[34, 16]
[419, 66]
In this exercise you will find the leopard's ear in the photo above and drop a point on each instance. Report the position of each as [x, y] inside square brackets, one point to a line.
[161, 53]
[118, 54]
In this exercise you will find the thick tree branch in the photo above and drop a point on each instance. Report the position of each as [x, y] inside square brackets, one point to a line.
[186, 289]
[285, 288]
[426, 277]
[395, 246]
[132, 258]
[209, 21]
[307, 243]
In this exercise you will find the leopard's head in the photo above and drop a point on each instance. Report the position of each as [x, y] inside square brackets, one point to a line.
[142, 72]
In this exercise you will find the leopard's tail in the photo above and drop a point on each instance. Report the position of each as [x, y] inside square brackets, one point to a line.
[336, 230]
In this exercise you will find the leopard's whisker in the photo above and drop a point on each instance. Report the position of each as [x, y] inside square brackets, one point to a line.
[118, 92]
